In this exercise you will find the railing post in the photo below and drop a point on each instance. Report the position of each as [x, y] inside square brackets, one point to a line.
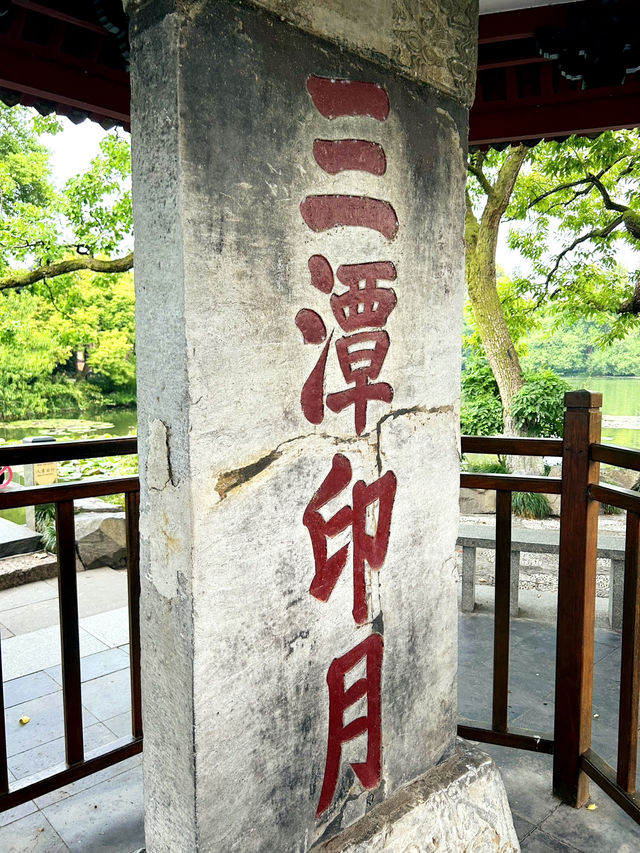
[576, 596]
[502, 608]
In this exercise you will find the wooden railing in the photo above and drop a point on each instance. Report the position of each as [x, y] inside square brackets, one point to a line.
[78, 763]
[574, 759]
[498, 730]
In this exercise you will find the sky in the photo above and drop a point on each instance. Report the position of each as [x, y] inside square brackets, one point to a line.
[74, 148]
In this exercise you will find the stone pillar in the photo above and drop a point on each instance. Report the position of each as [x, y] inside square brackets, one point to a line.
[616, 593]
[299, 175]
[468, 603]
[514, 597]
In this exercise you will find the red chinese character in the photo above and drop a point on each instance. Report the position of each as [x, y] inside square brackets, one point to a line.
[361, 356]
[360, 364]
[368, 772]
[334, 97]
[343, 155]
[366, 548]
[364, 305]
[322, 212]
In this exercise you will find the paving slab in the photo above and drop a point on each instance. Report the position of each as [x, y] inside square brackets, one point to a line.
[120, 725]
[17, 813]
[49, 754]
[38, 650]
[28, 593]
[46, 723]
[90, 782]
[111, 628]
[32, 616]
[101, 590]
[540, 842]
[107, 818]
[108, 695]
[522, 827]
[93, 666]
[28, 687]
[607, 828]
[32, 833]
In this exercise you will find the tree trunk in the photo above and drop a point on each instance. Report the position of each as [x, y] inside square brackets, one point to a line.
[481, 237]
[492, 326]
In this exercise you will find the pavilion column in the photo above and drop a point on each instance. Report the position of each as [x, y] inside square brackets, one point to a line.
[299, 172]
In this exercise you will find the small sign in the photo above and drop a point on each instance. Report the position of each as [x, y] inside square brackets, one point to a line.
[45, 473]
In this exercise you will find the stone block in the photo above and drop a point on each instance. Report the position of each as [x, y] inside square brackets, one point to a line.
[459, 806]
[618, 476]
[477, 501]
[85, 505]
[101, 539]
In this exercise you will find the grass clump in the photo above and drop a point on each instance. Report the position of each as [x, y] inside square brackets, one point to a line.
[530, 505]
[496, 467]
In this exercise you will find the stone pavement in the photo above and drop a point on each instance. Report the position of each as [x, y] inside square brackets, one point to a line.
[542, 823]
[103, 813]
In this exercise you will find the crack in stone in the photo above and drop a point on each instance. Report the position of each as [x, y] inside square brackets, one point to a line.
[230, 480]
[411, 410]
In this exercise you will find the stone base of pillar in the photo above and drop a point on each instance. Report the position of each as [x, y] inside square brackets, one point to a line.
[460, 805]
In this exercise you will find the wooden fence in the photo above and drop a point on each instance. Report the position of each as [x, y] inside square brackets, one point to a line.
[581, 493]
[78, 763]
[574, 759]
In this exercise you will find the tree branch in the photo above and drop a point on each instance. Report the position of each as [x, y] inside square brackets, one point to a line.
[557, 189]
[608, 201]
[24, 278]
[592, 180]
[597, 232]
[477, 172]
[501, 191]
[631, 306]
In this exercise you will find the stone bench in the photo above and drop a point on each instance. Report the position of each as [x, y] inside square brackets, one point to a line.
[539, 541]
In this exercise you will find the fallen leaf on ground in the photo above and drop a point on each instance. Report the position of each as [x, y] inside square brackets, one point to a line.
[592, 807]
[24, 720]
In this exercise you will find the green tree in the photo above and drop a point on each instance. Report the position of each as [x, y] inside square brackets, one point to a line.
[66, 320]
[580, 201]
[44, 233]
[66, 344]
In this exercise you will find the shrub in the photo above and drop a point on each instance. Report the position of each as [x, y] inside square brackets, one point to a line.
[481, 409]
[538, 408]
[46, 525]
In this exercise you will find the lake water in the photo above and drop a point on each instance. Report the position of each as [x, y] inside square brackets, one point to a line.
[110, 422]
[620, 396]
[114, 422]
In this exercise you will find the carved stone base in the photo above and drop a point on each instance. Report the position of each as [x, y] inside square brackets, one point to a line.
[458, 807]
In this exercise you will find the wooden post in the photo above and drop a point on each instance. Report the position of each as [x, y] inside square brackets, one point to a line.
[576, 596]
[630, 669]
[501, 623]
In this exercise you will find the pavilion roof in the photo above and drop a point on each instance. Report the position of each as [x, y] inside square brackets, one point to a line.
[544, 71]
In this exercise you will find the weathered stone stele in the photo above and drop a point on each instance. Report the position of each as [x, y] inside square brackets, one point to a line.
[430, 40]
[236, 651]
